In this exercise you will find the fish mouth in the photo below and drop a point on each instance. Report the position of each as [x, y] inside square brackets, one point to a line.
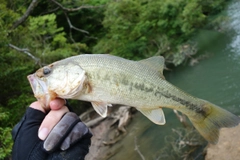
[32, 82]
[36, 86]
[39, 89]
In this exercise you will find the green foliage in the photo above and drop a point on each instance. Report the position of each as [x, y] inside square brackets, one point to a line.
[5, 135]
[5, 142]
[50, 41]
[192, 17]
[15, 96]
[6, 18]
[139, 28]
[44, 25]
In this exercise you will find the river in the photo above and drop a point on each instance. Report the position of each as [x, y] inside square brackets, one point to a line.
[215, 78]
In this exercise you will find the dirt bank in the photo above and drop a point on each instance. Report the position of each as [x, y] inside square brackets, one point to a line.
[228, 146]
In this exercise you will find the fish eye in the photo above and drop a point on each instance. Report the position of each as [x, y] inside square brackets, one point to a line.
[46, 70]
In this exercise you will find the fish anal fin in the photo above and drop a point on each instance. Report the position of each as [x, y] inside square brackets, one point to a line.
[155, 115]
[101, 108]
[156, 63]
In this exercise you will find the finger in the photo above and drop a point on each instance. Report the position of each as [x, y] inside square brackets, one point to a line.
[57, 103]
[52, 118]
[60, 131]
[79, 130]
[37, 105]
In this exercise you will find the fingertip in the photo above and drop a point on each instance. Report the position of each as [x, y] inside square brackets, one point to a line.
[57, 103]
[43, 133]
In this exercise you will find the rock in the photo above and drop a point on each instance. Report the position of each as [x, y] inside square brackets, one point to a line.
[107, 132]
[228, 146]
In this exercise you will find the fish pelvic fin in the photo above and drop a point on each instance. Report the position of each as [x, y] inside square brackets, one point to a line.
[155, 115]
[216, 119]
[101, 108]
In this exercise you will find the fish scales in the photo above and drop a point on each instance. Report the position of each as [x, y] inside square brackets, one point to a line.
[105, 79]
[137, 82]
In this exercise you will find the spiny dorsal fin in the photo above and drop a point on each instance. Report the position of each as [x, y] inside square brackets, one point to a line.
[155, 115]
[156, 63]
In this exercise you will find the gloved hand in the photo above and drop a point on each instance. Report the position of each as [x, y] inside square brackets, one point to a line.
[69, 139]
[66, 133]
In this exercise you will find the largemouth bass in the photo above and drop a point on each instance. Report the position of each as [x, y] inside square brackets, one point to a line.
[104, 80]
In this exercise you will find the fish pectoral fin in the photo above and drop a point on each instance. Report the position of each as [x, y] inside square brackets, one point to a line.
[155, 115]
[101, 108]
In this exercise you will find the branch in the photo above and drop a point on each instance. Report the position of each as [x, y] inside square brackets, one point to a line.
[26, 51]
[182, 118]
[73, 9]
[73, 27]
[137, 149]
[51, 11]
[26, 14]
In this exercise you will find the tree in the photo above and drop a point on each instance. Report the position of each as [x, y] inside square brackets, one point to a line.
[142, 28]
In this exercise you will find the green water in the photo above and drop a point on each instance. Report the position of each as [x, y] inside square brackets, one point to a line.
[215, 79]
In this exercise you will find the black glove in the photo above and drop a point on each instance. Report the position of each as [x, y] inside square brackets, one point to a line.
[69, 139]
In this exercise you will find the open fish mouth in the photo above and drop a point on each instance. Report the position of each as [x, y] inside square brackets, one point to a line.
[32, 82]
[39, 88]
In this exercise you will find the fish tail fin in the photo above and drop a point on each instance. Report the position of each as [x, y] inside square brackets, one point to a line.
[216, 119]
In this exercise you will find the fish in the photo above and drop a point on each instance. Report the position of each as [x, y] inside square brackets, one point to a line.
[105, 79]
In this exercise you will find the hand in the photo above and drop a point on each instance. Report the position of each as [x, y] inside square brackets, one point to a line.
[66, 133]
[58, 109]
[69, 134]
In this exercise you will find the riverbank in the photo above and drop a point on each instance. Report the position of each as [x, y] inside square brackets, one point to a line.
[228, 146]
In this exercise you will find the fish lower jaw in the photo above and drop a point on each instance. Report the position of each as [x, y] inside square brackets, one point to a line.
[45, 98]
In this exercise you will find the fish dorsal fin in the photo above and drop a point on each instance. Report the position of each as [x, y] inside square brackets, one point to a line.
[156, 63]
[155, 115]
[101, 108]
